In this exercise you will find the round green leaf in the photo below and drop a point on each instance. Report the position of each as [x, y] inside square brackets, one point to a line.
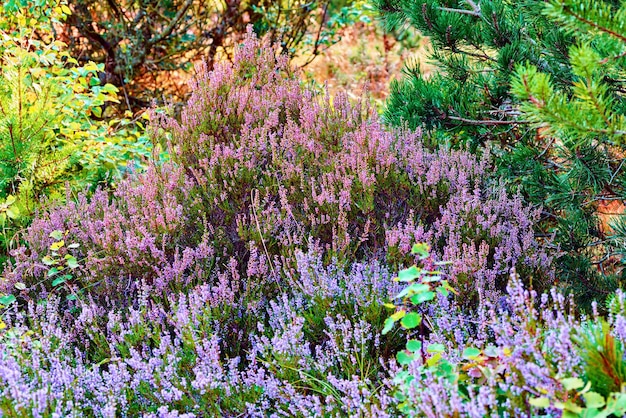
[570, 383]
[410, 274]
[422, 297]
[594, 400]
[7, 300]
[413, 345]
[57, 235]
[471, 353]
[404, 358]
[411, 320]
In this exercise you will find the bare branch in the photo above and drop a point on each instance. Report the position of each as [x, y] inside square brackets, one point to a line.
[168, 30]
[461, 11]
[489, 122]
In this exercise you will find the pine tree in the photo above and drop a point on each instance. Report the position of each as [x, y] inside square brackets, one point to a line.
[542, 83]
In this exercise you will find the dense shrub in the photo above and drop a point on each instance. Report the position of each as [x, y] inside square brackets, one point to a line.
[146, 47]
[258, 164]
[51, 134]
[247, 274]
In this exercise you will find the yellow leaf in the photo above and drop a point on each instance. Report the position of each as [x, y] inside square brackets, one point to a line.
[57, 245]
[398, 315]
[66, 9]
[540, 402]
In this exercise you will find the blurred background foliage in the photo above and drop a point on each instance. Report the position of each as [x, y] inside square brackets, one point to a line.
[146, 47]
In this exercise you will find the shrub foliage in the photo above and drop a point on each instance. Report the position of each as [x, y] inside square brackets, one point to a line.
[250, 273]
[542, 82]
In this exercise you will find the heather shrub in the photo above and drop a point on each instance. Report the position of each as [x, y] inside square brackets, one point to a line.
[180, 352]
[527, 355]
[292, 167]
[142, 235]
[247, 274]
[259, 163]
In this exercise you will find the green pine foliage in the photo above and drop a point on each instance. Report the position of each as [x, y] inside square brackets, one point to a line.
[542, 84]
[476, 46]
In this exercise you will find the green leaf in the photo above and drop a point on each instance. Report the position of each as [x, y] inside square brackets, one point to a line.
[571, 406]
[620, 401]
[422, 250]
[570, 383]
[389, 323]
[13, 213]
[422, 297]
[61, 280]
[471, 353]
[430, 279]
[433, 360]
[57, 235]
[542, 402]
[414, 345]
[411, 320]
[6, 300]
[410, 274]
[398, 315]
[412, 289]
[594, 400]
[53, 271]
[436, 348]
[71, 261]
[48, 261]
[404, 358]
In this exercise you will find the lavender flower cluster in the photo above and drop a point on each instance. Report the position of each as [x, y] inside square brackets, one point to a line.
[309, 355]
[247, 275]
[185, 355]
[530, 348]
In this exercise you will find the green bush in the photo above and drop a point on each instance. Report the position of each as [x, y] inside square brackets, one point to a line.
[52, 131]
